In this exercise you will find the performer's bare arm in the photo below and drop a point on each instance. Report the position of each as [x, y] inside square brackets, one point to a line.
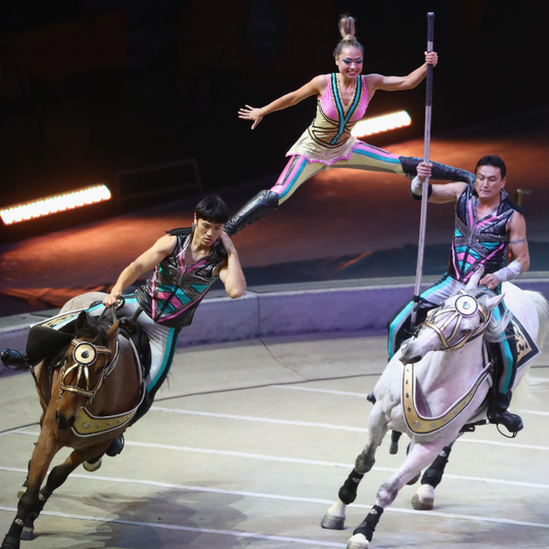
[517, 238]
[441, 194]
[144, 263]
[230, 272]
[317, 86]
[397, 83]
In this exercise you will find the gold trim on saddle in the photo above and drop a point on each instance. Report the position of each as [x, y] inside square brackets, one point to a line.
[419, 424]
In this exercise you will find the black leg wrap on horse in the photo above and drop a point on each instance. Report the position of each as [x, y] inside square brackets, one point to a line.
[11, 542]
[368, 525]
[395, 437]
[347, 493]
[260, 205]
[438, 171]
[15, 530]
[433, 475]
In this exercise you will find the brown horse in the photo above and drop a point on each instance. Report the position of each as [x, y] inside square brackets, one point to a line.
[89, 398]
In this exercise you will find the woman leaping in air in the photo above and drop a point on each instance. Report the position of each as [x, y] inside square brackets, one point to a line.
[328, 143]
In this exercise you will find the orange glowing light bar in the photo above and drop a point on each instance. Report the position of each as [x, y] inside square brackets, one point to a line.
[54, 204]
[380, 124]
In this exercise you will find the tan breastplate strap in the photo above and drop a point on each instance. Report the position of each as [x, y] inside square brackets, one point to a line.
[419, 424]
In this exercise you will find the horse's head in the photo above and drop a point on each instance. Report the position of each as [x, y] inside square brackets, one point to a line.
[91, 355]
[458, 320]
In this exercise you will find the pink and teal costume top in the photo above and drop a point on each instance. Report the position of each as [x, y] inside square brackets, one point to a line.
[479, 242]
[174, 291]
[328, 139]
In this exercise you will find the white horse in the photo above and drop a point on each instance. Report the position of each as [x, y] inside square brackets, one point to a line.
[433, 386]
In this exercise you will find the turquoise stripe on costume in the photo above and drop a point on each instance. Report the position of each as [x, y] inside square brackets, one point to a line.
[294, 179]
[200, 287]
[508, 356]
[476, 255]
[344, 119]
[182, 296]
[380, 157]
[490, 245]
[457, 233]
[406, 311]
[460, 249]
[165, 359]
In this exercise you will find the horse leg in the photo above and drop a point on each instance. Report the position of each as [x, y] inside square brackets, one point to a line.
[424, 498]
[30, 505]
[419, 456]
[334, 519]
[56, 478]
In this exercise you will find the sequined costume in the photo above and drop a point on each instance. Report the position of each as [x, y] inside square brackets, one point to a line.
[476, 243]
[479, 242]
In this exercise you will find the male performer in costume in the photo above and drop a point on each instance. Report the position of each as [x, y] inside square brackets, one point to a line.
[487, 221]
[186, 263]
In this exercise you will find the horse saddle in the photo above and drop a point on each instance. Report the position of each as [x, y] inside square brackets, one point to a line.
[133, 331]
[44, 341]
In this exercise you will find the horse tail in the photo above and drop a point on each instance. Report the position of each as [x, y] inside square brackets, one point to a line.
[528, 393]
[542, 308]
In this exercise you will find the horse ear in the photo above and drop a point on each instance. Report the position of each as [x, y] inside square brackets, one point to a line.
[474, 280]
[81, 321]
[493, 302]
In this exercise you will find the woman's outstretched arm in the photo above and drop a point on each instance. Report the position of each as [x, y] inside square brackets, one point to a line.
[317, 86]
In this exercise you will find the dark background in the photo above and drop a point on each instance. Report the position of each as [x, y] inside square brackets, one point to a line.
[89, 87]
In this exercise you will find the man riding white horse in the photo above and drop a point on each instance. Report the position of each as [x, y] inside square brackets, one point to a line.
[486, 223]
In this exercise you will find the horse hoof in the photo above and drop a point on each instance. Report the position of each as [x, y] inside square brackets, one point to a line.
[424, 498]
[358, 541]
[413, 480]
[10, 543]
[27, 534]
[91, 467]
[332, 522]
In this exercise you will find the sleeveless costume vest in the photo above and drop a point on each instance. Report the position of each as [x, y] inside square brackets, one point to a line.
[479, 242]
[174, 291]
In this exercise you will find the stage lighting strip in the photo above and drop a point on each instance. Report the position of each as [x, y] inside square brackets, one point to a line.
[380, 124]
[54, 204]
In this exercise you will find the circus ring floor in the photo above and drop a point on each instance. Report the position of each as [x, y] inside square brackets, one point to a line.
[247, 445]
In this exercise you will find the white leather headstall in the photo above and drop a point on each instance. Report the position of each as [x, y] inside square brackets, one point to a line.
[465, 306]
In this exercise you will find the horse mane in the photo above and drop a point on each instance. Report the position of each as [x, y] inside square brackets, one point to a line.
[94, 330]
[495, 331]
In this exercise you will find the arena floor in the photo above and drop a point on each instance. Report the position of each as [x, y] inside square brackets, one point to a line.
[247, 445]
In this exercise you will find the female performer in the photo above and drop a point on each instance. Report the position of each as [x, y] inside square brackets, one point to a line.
[328, 143]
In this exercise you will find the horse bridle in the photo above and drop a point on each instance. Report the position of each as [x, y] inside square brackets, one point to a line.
[465, 306]
[85, 355]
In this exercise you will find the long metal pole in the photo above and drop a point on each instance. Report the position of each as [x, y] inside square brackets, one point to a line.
[426, 152]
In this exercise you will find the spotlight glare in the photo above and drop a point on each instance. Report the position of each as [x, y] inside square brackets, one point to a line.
[380, 124]
[54, 204]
